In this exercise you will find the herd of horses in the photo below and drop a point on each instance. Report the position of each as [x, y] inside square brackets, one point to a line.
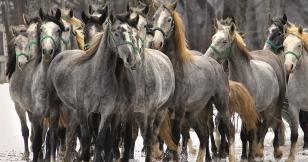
[102, 78]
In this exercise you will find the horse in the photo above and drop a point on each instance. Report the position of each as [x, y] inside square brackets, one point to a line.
[193, 74]
[258, 71]
[18, 53]
[94, 23]
[100, 99]
[295, 49]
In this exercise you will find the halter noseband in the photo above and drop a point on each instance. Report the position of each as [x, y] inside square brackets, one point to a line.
[56, 43]
[222, 54]
[274, 46]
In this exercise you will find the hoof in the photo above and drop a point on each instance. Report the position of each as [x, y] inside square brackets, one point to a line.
[278, 154]
[244, 157]
[25, 156]
[258, 159]
[208, 159]
[290, 159]
[170, 155]
[184, 158]
[222, 155]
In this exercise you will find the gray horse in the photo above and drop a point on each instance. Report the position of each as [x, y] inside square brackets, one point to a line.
[261, 72]
[295, 48]
[18, 58]
[199, 79]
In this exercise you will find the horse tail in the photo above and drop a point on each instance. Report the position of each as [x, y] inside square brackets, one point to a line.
[241, 102]
[166, 134]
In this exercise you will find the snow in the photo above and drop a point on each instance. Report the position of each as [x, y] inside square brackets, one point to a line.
[11, 142]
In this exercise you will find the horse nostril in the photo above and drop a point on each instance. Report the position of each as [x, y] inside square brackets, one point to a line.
[128, 59]
[51, 51]
[160, 44]
[44, 51]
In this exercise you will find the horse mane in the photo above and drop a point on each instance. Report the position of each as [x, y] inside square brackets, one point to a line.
[239, 41]
[80, 39]
[241, 102]
[180, 38]
[89, 53]
[293, 29]
[11, 63]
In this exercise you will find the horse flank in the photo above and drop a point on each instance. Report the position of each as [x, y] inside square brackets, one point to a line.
[241, 102]
[180, 39]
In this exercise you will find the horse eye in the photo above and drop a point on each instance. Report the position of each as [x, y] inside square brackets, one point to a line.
[116, 34]
[15, 45]
[224, 42]
[169, 19]
[67, 29]
[59, 31]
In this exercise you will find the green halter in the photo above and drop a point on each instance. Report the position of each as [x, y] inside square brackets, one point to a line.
[119, 43]
[166, 35]
[22, 54]
[222, 54]
[32, 43]
[53, 40]
[87, 46]
[273, 45]
[297, 55]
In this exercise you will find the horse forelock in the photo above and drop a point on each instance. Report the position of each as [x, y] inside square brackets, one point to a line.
[48, 18]
[180, 38]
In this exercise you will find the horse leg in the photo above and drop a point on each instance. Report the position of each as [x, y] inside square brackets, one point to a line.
[303, 119]
[201, 130]
[53, 127]
[221, 103]
[24, 130]
[277, 151]
[211, 131]
[37, 140]
[128, 139]
[294, 132]
[185, 138]
[261, 132]
[62, 132]
[149, 136]
[252, 144]
[85, 139]
[223, 142]
[70, 137]
[244, 139]
[100, 140]
[135, 135]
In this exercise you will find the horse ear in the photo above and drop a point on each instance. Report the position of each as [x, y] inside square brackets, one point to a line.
[128, 7]
[91, 10]
[13, 31]
[26, 19]
[300, 30]
[112, 18]
[284, 19]
[58, 14]
[103, 17]
[133, 22]
[173, 5]
[123, 17]
[71, 13]
[232, 28]
[42, 14]
[217, 25]
[269, 19]
[146, 9]
[84, 17]
[156, 3]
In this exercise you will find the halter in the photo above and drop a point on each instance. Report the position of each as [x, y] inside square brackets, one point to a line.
[56, 43]
[120, 43]
[274, 46]
[169, 32]
[224, 53]
[27, 55]
[32, 43]
[87, 46]
[297, 55]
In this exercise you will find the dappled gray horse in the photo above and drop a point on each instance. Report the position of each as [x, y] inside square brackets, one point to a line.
[296, 63]
[97, 80]
[261, 72]
[199, 79]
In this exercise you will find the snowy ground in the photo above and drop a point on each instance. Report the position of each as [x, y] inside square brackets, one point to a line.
[11, 142]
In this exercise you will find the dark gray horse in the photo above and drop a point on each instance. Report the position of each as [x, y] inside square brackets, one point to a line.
[295, 48]
[258, 71]
[198, 79]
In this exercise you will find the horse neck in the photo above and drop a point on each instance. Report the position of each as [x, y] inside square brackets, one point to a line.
[302, 67]
[105, 58]
[171, 51]
[239, 65]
